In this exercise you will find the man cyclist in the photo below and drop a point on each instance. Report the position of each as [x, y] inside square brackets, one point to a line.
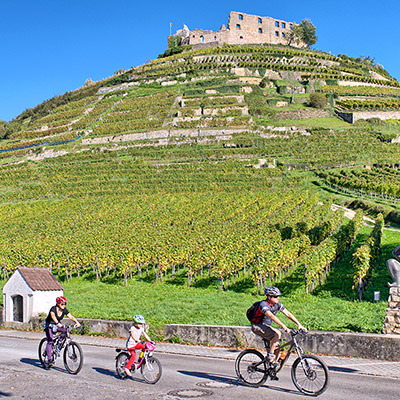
[265, 315]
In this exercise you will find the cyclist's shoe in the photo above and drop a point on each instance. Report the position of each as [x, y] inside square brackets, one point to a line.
[273, 376]
[50, 362]
[128, 372]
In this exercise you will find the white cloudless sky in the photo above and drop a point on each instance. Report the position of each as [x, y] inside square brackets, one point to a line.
[49, 47]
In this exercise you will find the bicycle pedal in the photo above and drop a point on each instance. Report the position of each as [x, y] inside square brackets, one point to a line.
[274, 378]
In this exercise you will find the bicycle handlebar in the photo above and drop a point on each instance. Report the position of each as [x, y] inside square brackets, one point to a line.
[295, 332]
[69, 327]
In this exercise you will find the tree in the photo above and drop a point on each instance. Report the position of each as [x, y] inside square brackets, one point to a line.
[304, 33]
[3, 129]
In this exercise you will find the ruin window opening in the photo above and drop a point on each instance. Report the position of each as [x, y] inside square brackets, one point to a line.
[276, 33]
[201, 38]
[241, 17]
[283, 25]
[215, 38]
[259, 30]
[291, 26]
[277, 24]
[238, 26]
[259, 20]
[241, 37]
[283, 34]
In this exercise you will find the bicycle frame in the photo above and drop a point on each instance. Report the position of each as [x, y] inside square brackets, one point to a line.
[146, 354]
[292, 343]
[62, 337]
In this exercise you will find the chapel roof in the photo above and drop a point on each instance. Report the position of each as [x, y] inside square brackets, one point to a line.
[39, 278]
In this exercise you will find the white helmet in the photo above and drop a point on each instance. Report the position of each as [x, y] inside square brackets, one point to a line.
[272, 291]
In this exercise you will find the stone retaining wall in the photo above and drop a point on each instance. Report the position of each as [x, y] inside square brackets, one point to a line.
[301, 114]
[365, 345]
[161, 134]
[110, 327]
[352, 117]
[392, 319]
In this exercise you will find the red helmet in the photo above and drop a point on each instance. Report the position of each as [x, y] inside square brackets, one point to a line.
[61, 299]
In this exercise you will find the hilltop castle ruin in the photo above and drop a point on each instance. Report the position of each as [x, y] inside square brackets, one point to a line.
[242, 29]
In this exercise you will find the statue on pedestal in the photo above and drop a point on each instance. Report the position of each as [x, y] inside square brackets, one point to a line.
[393, 265]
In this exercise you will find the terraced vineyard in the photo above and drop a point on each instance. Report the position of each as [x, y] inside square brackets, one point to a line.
[260, 229]
[383, 182]
[209, 164]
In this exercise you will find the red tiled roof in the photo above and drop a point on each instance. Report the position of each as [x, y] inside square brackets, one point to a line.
[40, 279]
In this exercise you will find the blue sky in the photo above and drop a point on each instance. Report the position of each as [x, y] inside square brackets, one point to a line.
[50, 47]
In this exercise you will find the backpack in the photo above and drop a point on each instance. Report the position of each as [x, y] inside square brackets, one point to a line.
[254, 314]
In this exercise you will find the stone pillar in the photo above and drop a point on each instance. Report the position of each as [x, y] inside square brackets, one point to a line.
[392, 319]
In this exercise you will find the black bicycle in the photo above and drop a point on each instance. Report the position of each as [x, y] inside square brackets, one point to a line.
[309, 373]
[73, 355]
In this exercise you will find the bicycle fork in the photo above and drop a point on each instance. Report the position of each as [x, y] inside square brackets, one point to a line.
[309, 373]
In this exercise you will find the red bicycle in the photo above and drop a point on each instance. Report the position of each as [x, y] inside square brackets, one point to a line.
[149, 366]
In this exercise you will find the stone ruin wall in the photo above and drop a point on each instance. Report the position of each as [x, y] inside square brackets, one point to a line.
[242, 29]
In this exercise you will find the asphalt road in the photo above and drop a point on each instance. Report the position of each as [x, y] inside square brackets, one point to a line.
[184, 377]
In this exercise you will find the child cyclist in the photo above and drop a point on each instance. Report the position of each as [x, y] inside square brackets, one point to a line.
[133, 342]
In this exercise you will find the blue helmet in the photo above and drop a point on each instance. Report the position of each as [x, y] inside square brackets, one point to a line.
[139, 319]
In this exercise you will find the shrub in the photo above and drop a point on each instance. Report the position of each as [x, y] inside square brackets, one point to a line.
[318, 100]
[331, 82]
[264, 82]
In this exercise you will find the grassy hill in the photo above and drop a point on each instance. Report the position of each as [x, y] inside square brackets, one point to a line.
[212, 164]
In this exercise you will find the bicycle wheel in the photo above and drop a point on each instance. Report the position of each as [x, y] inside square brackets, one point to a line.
[43, 354]
[310, 375]
[151, 370]
[73, 357]
[250, 368]
[121, 360]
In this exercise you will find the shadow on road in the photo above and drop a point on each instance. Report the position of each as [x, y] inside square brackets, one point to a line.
[233, 381]
[31, 361]
[218, 378]
[343, 369]
[36, 363]
[4, 394]
[107, 372]
[110, 372]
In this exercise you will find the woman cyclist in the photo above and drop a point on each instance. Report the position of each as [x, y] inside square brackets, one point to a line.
[52, 323]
